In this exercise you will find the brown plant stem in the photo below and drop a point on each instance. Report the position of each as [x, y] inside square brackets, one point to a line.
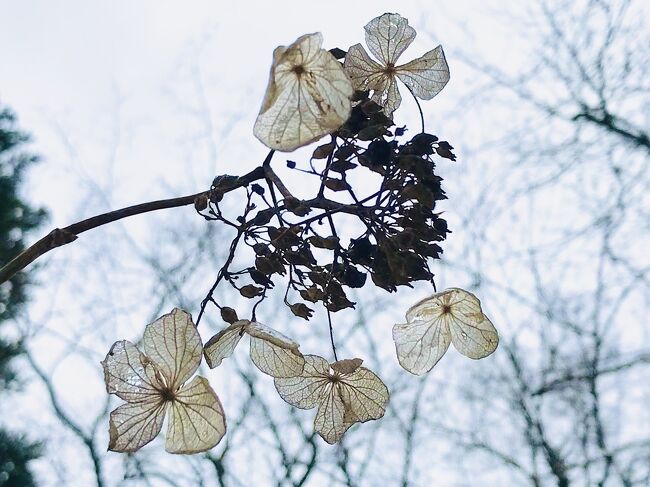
[62, 236]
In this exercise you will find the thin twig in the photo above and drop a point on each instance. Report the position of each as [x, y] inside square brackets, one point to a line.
[419, 107]
[329, 321]
[62, 236]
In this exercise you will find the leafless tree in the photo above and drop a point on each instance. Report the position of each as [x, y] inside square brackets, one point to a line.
[555, 242]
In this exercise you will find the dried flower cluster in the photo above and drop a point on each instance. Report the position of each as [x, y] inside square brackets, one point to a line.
[312, 94]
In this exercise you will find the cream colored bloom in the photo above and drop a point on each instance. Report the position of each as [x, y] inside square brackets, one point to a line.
[452, 316]
[308, 96]
[387, 37]
[271, 351]
[154, 383]
[344, 393]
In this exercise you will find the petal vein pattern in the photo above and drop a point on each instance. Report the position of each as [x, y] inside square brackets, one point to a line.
[308, 96]
[152, 384]
[197, 421]
[452, 316]
[343, 392]
[174, 345]
[426, 76]
[134, 424]
[387, 37]
[330, 417]
[305, 390]
[271, 351]
[223, 344]
[364, 394]
[128, 373]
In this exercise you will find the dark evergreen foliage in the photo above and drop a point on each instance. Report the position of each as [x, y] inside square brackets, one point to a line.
[17, 218]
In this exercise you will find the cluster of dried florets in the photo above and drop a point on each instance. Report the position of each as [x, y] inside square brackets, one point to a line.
[312, 94]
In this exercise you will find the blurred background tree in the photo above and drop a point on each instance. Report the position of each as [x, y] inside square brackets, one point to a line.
[17, 219]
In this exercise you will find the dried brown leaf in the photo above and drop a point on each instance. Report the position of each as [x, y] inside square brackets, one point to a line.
[346, 366]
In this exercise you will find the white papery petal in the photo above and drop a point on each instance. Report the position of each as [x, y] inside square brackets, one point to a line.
[274, 353]
[128, 373]
[427, 75]
[222, 345]
[453, 315]
[388, 36]
[388, 96]
[134, 424]
[365, 73]
[330, 421]
[473, 339]
[196, 419]
[302, 106]
[364, 395]
[421, 344]
[173, 344]
[305, 391]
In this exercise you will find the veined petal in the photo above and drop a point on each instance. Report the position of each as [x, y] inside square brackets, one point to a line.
[308, 96]
[388, 95]
[453, 315]
[330, 421]
[427, 75]
[273, 353]
[173, 344]
[388, 36]
[196, 419]
[364, 395]
[128, 373]
[456, 299]
[364, 73]
[305, 390]
[474, 339]
[221, 345]
[134, 424]
[421, 344]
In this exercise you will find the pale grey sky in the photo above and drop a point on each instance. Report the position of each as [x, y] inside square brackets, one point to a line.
[130, 101]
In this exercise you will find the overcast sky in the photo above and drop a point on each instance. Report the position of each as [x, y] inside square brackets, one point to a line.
[106, 88]
[130, 101]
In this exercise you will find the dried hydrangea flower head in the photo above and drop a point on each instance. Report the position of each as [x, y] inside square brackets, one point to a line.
[344, 393]
[308, 96]
[153, 383]
[271, 351]
[387, 36]
[452, 316]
